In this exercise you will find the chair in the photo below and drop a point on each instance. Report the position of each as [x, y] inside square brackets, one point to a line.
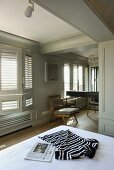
[93, 104]
[57, 109]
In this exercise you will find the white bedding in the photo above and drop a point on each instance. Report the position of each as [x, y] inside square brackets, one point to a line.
[12, 158]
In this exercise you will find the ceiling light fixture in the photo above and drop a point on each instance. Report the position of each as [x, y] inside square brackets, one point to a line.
[29, 9]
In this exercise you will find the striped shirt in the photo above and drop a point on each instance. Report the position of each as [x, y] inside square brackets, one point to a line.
[71, 146]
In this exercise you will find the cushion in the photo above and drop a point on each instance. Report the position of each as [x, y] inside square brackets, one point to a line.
[69, 110]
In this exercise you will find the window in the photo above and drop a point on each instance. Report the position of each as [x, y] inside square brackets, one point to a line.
[28, 72]
[66, 78]
[80, 77]
[79, 80]
[86, 78]
[77, 77]
[94, 78]
[29, 102]
[10, 95]
[9, 105]
[9, 70]
[15, 82]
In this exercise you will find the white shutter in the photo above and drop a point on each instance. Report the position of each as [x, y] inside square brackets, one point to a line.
[80, 76]
[28, 72]
[75, 77]
[66, 78]
[86, 79]
[27, 80]
[10, 79]
[9, 71]
[29, 102]
[9, 105]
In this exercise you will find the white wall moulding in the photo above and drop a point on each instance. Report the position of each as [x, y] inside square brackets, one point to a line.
[67, 44]
[10, 39]
[106, 92]
[85, 19]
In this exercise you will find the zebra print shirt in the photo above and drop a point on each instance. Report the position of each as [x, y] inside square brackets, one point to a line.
[71, 146]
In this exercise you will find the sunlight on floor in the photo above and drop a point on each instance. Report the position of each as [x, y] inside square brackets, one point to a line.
[70, 121]
[89, 122]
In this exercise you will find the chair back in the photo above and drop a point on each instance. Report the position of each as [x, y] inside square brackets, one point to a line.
[55, 103]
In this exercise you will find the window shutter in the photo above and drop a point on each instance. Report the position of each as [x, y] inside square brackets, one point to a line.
[29, 102]
[28, 72]
[80, 76]
[9, 105]
[9, 71]
[75, 77]
[86, 79]
[66, 78]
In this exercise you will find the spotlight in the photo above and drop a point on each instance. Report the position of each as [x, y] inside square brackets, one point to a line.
[29, 9]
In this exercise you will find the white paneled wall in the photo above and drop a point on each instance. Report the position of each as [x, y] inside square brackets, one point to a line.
[106, 110]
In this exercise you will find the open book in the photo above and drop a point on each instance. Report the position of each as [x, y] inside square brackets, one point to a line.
[41, 152]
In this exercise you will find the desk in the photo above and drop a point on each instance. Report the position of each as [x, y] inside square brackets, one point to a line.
[93, 97]
[89, 94]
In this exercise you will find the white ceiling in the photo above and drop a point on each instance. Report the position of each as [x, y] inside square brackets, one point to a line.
[77, 13]
[49, 28]
[42, 26]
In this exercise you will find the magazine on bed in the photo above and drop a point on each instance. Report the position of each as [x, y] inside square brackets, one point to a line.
[41, 152]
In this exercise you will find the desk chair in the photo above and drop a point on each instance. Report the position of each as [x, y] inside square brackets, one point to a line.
[57, 109]
[93, 104]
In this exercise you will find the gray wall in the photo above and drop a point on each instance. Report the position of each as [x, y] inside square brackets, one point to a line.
[42, 89]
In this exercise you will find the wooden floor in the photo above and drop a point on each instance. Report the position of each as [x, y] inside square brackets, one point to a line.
[85, 122]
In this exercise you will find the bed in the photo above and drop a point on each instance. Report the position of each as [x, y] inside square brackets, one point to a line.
[12, 158]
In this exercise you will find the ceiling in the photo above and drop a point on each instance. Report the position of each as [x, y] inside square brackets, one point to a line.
[42, 26]
[59, 25]
[104, 10]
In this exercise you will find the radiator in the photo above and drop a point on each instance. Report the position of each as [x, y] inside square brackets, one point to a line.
[12, 122]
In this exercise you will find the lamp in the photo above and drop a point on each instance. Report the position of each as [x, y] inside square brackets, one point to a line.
[29, 9]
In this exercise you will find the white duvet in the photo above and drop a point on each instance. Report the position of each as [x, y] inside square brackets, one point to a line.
[12, 158]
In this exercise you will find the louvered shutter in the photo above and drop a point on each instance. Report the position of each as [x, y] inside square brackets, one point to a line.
[75, 77]
[9, 71]
[9, 105]
[86, 79]
[29, 102]
[80, 77]
[66, 78]
[10, 94]
[28, 72]
[27, 80]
